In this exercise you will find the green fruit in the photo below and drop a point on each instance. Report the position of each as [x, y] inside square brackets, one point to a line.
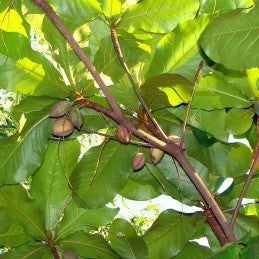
[138, 161]
[123, 134]
[156, 155]
[59, 109]
[75, 117]
[62, 127]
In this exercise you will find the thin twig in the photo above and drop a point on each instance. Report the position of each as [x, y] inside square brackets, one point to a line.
[134, 142]
[190, 102]
[121, 58]
[249, 178]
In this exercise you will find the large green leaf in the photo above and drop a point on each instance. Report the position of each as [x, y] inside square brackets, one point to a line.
[125, 241]
[88, 246]
[228, 160]
[232, 39]
[26, 71]
[78, 219]
[166, 90]
[158, 16]
[34, 251]
[50, 183]
[244, 118]
[21, 209]
[218, 91]
[22, 154]
[178, 46]
[76, 13]
[98, 177]
[111, 8]
[194, 251]
[169, 234]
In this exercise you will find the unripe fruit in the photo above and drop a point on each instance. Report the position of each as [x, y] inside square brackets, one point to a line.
[75, 117]
[138, 161]
[62, 127]
[156, 155]
[59, 109]
[123, 134]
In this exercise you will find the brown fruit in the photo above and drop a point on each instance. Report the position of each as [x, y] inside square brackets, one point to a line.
[67, 254]
[59, 109]
[123, 134]
[62, 127]
[156, 155]
[75, 117]
[138, 161]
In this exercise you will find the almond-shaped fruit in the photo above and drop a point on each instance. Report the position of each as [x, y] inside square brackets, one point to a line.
[123, 134]
[156, 155]
[75, 117]
[138, 161]
[59, 109]
[62, 127]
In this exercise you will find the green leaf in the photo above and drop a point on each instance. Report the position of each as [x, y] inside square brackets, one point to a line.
[155, 16]
[14, 236]
[256, 108]
[166, 90]
[98, 177]
[169, 234]
[194, 251]
[221, 6]
[34, 251]
[244, 118]
[251, 250]
[89, 246]
[111, 8]
[218, 91]
[235, 158]
[76, 13]
[22, 154]
[76, 219]
[228, 251]
[5, 221]
[125, 241]
[50, 185]
[26, 71]
[21, 209]
[178, 46]
[212, 122]
[232, 39]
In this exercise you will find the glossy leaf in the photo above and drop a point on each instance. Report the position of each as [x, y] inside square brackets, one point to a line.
[89, 246]
[166, 90]
[169, 234]
[49, 185]
[244, 118]
[251, 250]
[21, 209]
[232, 39]
[157, 16]
[125, 241]
[111, 8]
[98, 177]
[178, 46]
[30, 142]
[79, 219]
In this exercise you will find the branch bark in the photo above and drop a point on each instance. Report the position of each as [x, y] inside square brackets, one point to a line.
[116, 114]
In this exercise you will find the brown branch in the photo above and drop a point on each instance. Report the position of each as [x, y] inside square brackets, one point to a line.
[54, 251]
[249, 178]
[116, 114]
[70, 39]
[120, 56]
[190, 102]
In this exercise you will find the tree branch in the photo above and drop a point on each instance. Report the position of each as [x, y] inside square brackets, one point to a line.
[70, 39]
[190, 102]
[249, 177]
[116, 114]
[120, 56]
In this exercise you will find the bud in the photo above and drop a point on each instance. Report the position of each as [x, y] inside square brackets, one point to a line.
[138, 161]
[156, 155]
[174, 139]
[59, 109]
[75, 117]
[67, 254]
[123, 134]
[62, 127]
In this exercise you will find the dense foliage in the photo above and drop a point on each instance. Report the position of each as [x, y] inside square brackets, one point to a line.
[52, 200]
